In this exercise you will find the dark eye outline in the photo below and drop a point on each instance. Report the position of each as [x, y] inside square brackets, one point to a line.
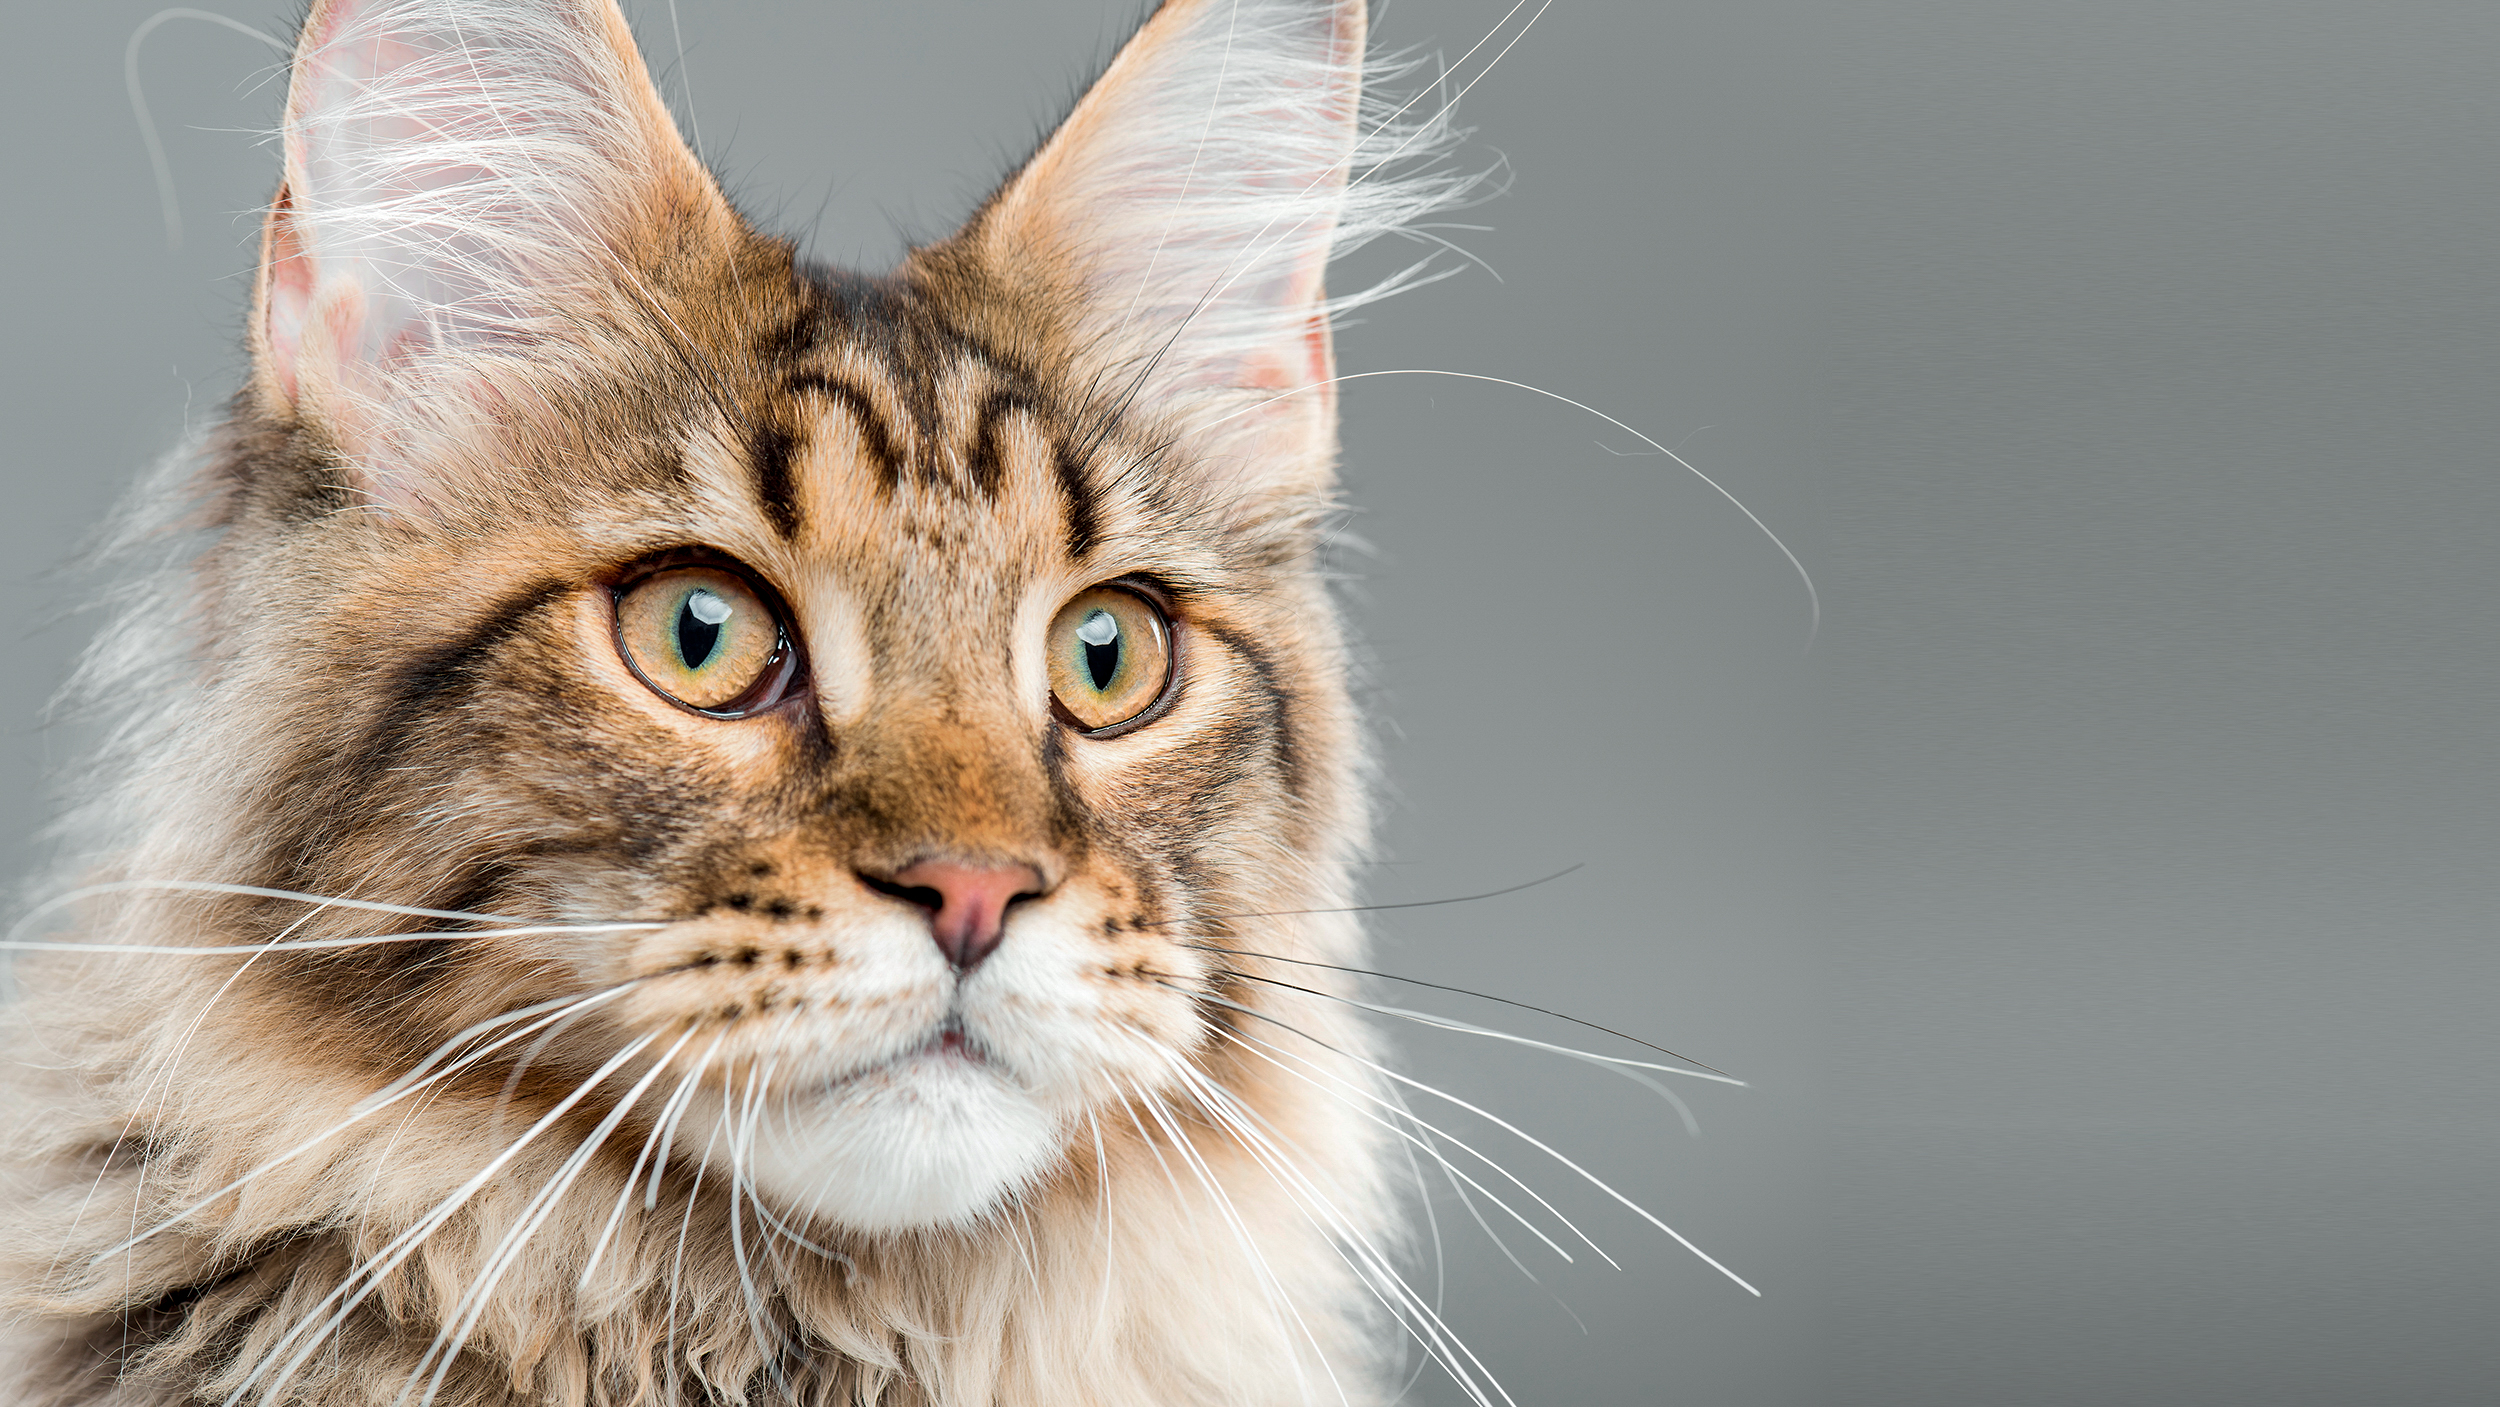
[783, 673]
[1159, 601]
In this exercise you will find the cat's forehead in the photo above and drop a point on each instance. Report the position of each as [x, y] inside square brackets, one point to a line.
[880, 441]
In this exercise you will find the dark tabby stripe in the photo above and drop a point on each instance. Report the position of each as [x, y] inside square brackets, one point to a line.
[987, 463]
[1084, 522]
[769, 448]
[874, 434]
[1279, 706]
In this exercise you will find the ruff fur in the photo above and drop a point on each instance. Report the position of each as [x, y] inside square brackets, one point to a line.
[495, 1145]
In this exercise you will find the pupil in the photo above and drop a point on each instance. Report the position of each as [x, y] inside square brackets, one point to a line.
[697, 638]
[1102, 662]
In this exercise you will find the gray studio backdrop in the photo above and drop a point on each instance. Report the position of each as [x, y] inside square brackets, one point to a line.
[2100, 906]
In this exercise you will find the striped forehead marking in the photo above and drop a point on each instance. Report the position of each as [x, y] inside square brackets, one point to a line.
[918, 454]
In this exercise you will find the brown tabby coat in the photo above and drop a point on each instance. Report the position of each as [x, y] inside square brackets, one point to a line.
[509, 342]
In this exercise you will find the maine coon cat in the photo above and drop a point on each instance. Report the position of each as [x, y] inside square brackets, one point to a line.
[696, 827]
[786, 752]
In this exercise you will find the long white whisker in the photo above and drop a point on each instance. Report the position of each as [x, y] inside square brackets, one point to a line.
[1440, 1260]
[770, 1341]
[349, 1294]
[1102, 1227]
[1452, 1023]
[1814, 598]
[1252, 1045]
[462, 1321]
[309, 945]
[250, 891]
[162, 1078]
[170, 204]
[1268, 1051]
[363, 1109]
[1277, 1297]
[633, 1175]
[1613, 1064]
[671, 1119]
[677, 1267]
[1370, 1265]
[554, 1008]
[1516, 1132]
[1628, 1069]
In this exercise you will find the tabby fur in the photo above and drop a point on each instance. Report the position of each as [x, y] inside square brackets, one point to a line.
[509, 339]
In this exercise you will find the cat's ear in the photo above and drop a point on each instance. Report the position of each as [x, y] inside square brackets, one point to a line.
[467, 182]
[1181, 220]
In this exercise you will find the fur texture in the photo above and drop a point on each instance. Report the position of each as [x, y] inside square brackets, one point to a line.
[615, 1073]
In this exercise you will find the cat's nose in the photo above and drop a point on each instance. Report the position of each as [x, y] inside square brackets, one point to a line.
[967, 903]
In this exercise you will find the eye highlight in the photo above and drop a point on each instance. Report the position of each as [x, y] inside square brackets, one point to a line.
[704, 638]
[1110, 658]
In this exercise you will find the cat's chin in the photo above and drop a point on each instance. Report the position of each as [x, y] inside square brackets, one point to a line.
[933, 1140]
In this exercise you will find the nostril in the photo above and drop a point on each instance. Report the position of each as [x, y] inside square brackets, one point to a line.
[967, 903]
[920, 895]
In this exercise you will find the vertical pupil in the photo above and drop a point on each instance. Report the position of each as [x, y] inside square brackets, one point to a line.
[1100, 635]
[698, 627]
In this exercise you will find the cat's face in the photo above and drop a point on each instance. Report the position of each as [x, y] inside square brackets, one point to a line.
[926, 857]
[903, 679]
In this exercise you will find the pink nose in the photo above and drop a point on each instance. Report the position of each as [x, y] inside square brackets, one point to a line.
[967, 904]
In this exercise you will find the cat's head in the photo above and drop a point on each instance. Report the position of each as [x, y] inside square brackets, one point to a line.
[915, 674]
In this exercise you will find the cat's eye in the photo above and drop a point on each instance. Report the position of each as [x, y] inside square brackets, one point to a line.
[1110, 658]
[705, 638]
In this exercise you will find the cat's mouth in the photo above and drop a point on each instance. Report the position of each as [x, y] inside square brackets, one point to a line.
[950, 1046]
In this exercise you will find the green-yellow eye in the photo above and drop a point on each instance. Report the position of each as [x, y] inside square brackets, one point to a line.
[700, 635]
[1110, 657]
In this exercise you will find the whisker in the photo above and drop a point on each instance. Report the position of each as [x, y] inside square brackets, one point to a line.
[169, 204]
[1102, 1226]
[633, 1175]
[676, 1270]
[1814, 598]
[1378, 908]
[1460, 991]
[1269, 1290]
[1440, 1258]
[418, 1072]
[1508, 1127]
[162, 1078]
[250, 891]
[1274, 1289]
[772, 1222]
[1451, 1023]
[668, 1138]
[349, 1294]
[775, 1346]
[1261, 1049]
[307, 945]
[1615, 1065]
[1374, 1269]
[363, 1109]
[462, 1321]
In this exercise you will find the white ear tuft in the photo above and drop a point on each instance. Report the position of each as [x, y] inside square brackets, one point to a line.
[1195, 198]
[460, 175]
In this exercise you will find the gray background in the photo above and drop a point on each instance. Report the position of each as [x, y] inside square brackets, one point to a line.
[2100, 907]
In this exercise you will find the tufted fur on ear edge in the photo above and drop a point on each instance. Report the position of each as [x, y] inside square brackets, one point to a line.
[467, 181]
[1184, 215]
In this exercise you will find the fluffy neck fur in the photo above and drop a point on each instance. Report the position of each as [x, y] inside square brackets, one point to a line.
[233, 1183]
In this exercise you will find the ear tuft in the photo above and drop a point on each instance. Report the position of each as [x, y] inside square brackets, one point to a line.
[1190, 206]
[462, 177]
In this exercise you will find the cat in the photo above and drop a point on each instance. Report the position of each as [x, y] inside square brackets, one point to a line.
[690, 826]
